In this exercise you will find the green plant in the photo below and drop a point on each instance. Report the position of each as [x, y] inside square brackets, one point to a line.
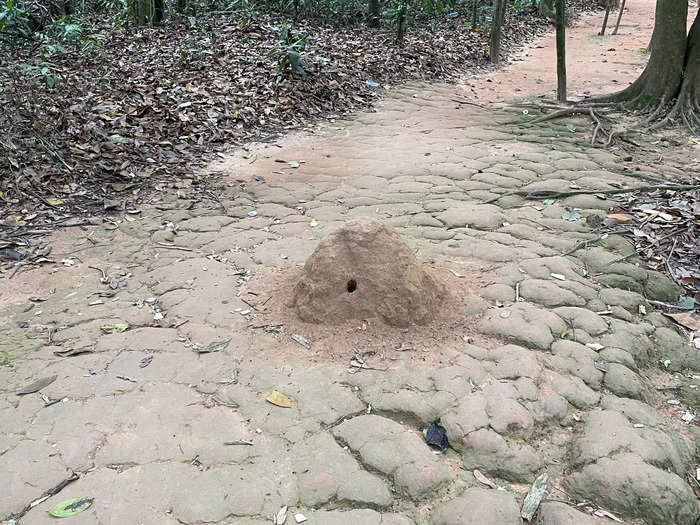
[249, 9]
[44, 72]
[397, 13]
[526, 4]
[290, 44]
[16, 24]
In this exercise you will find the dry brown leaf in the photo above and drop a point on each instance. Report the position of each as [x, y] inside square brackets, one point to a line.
[279, 399]
[618, 217]
[483, 479]
[687, 319]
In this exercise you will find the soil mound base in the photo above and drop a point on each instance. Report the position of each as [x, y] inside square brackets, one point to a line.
[365, 270]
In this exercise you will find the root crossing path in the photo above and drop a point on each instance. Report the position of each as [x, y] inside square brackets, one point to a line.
[157, 339]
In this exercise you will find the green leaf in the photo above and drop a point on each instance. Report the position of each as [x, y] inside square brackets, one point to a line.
[114, 328]
[295, 62]
[687, 303]
[571, 215]
[70, 507]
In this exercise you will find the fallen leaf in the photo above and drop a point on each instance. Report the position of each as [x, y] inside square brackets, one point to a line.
[114, 328]
[278, 399]
[605, 514]
[214, 346]
[687, 303]
[313, 223]
[619, 217]
[571, 215]
[37, 385]
[483, 479]
[687, 319]
[281, 516]
[70, 507]
[534, 496]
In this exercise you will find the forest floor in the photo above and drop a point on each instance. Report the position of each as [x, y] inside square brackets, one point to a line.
[138, 363]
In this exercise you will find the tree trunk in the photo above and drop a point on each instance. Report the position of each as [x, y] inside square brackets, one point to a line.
[561, 50]
[496, 30]
[619, 17]
[475, 14]
[608, 5]
[660, 81]
[143, 11]
[688, 103]
[373, 13]
[149, 11]
[158, 11]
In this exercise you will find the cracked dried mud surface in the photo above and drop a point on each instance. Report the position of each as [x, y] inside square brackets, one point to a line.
[544, 383]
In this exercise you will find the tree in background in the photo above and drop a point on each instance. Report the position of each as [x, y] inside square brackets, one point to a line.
[373, 13]
[561, 50]
[496, 30]
[673, 70]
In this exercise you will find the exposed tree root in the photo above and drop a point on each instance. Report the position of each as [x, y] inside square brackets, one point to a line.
[604, 111]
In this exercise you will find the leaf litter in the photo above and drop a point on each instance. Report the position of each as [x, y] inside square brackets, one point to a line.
[143, 110]
[663, 226]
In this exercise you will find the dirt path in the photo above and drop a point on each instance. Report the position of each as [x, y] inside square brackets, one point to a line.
[594, 65]
[161, 336]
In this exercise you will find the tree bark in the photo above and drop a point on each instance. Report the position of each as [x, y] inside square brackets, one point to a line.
[561, 50]
[619, 17]
[660, 81]
[475, 14]
[689, 96]
[608, 6]
[373, 13]
[158, 11]
[496, 30]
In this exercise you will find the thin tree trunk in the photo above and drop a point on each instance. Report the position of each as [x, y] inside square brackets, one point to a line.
[608, 5]
[496, 29]
[373, 13]
[561, 50]
[475, 14]
[661, 79]
[158, 12]
[619, 17]
[143, 11]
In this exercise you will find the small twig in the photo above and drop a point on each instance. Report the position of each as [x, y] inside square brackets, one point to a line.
[240, 442]
[666, 305]
[172, 246]
[104, 275]
[667, 263]
[53, 153]
[553, 194]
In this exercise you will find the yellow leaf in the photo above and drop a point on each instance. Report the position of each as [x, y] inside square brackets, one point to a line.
[691, 142]
[313, 223]
[279, 399]
[618, 217]
[54, 202]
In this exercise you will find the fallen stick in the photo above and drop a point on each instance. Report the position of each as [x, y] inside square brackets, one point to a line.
[552, 194]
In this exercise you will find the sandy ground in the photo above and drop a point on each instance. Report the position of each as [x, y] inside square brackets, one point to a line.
[159, 371]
